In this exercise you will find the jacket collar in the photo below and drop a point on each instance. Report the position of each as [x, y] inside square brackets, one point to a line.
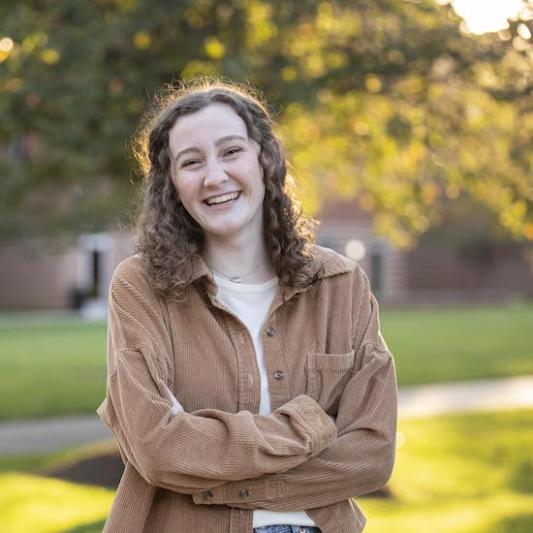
[334, 263]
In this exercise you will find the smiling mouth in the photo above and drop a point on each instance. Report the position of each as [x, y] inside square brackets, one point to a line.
[223, 199]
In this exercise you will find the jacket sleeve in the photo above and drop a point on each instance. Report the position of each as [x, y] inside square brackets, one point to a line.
[184, 451]
[362, 457]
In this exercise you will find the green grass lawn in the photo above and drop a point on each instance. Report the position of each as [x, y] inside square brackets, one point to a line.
[467, 473]
[57, 365]
[33, 504]
[51, 367]
[440, 345]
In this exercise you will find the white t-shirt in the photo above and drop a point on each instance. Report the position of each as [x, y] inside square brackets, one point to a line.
[251, 302]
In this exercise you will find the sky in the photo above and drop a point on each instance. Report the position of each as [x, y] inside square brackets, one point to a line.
[483, 16]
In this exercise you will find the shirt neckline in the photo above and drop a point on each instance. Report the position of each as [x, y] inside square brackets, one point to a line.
[245, 287]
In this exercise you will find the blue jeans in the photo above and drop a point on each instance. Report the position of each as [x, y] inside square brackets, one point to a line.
[286, 529]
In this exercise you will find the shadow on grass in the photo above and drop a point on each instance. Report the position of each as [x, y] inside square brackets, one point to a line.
[93, 527]
[104, 470]
[521, 478]
[519, 523]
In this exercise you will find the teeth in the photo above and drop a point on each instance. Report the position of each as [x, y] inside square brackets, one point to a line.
[222, 198]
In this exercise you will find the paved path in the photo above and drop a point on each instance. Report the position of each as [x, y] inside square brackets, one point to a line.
[48, 434]
[486, 395]
[36, 436]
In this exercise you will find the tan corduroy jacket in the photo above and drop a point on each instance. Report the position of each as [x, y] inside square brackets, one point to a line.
[205, 469]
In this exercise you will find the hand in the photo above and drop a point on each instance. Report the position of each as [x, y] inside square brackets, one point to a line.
[176, 406]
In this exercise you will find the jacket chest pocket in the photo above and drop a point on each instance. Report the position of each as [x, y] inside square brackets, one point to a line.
[327, 375]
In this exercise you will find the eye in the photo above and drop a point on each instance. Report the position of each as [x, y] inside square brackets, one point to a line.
[232, 151]
[190, 162]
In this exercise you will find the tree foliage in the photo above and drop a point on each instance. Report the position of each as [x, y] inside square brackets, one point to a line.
[386, 100]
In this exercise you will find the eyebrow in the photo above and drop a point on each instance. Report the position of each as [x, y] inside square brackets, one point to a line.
[217, 143]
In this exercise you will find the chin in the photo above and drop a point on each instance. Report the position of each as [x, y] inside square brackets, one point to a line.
[226, 231]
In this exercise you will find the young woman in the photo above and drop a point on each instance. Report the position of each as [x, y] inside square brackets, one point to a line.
[249, 387]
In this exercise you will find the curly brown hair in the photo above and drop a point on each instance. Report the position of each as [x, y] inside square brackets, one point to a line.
[167, 237]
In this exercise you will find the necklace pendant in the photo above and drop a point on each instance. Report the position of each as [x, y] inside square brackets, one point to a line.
[235, 279]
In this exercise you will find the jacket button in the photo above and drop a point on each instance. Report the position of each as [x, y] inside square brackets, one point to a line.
[208, 494]
[279, 374]
[244, 493]
[271, 331]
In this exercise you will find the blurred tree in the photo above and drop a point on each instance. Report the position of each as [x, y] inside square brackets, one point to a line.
[386, 100]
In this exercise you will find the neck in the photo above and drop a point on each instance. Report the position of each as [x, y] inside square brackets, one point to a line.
[240, 257]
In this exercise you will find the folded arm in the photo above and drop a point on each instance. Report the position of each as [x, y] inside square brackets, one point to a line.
[187, 452]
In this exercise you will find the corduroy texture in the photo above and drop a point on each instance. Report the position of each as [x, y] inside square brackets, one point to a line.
[205, 469]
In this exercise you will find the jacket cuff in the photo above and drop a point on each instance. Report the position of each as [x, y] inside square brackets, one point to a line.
[243, 492]
[314, 421]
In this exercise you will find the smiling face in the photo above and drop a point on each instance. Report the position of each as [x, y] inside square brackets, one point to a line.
[216, 171]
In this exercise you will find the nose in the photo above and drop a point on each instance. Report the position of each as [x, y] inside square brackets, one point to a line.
[215, 173]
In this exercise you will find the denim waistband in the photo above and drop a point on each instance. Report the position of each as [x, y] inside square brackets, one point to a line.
[286, 528]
